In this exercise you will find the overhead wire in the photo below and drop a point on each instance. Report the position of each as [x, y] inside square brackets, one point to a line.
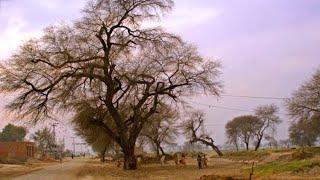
[226, 108]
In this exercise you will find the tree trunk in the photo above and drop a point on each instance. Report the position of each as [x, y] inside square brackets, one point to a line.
[215, 148]
[103, 154]
[157, 151]
[258, 142]
[237, 147]
[162, 150]
[130, 162]
[247, 146]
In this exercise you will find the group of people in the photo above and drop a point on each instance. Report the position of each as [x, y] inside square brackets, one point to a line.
[202, 161]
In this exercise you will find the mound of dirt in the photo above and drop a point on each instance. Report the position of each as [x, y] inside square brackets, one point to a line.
[215, 177]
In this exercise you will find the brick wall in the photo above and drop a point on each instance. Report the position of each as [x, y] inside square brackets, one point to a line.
[16, 150]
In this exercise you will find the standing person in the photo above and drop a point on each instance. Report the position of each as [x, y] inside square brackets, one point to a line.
[204, 161]
[60, 158]
[199, 159]
[72, 156]
[162, 160]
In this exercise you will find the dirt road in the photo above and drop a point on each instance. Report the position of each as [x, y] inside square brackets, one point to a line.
[66, 170]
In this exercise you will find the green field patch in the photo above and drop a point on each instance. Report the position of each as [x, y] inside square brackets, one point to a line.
[279, 167]
[247, 155]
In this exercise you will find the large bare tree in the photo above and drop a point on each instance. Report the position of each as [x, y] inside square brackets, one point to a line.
[194, 130]
[110, 61]
[305, 101]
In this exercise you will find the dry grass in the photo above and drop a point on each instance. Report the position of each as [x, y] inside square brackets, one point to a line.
[8, 171]
[271, 165]
[97, 170]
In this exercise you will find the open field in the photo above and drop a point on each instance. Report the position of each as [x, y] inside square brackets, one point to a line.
[10, 170]
[94, 169]
[269, 164]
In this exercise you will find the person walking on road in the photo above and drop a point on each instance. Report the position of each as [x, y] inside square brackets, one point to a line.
[199, 159]
[204, 161]
[60, 158]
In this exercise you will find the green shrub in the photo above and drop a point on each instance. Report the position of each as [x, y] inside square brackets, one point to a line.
[301, 154]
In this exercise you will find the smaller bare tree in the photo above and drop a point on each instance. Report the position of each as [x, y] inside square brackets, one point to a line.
[305, 101]
[194, 130]
[86, 127]
[162, 129]
[242, 128]
[271, 141]
[268, 117]
[305, 132]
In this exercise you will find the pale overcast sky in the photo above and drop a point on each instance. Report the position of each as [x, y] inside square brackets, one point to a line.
[267, 48]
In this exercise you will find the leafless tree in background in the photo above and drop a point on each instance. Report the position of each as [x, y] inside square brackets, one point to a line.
[86, 127]
[305, 132]
[109, 61]
[268, 119]
[242, 128]
[194, 130]
[305, 101]
[162, 129]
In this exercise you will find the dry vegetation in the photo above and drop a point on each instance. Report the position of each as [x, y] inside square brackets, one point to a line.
[269, 164]
[8, 171]
[217, 166]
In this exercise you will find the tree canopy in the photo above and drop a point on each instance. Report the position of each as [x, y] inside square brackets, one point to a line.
[253, 127]
[242, 128]
[305, 132]
[44, 139]
[305, 101]
[109, 60]
[163, 129]
[194, 130]
[268, 119]
[13, 133]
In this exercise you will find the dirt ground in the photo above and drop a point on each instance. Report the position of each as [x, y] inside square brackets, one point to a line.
[218, 166]
[9, 170]
[92, 169]
[41, 170]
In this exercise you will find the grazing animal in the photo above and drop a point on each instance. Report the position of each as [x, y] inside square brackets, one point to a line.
[162, 160]
[139, 162]
[118, 163]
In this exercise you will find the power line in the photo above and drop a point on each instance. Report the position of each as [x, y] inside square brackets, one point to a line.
[226, 108]
[254, 97]
[220, 107]
[245, 96]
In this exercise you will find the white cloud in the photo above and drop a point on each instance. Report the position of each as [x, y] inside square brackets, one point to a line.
[186, 16]
[14, 35]
[50, 4]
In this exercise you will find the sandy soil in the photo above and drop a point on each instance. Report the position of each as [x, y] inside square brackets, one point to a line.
[43, 171]
[218, 166]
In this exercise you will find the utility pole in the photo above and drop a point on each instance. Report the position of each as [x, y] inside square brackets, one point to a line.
[80, 146]
[74, 146]
[54, 130]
